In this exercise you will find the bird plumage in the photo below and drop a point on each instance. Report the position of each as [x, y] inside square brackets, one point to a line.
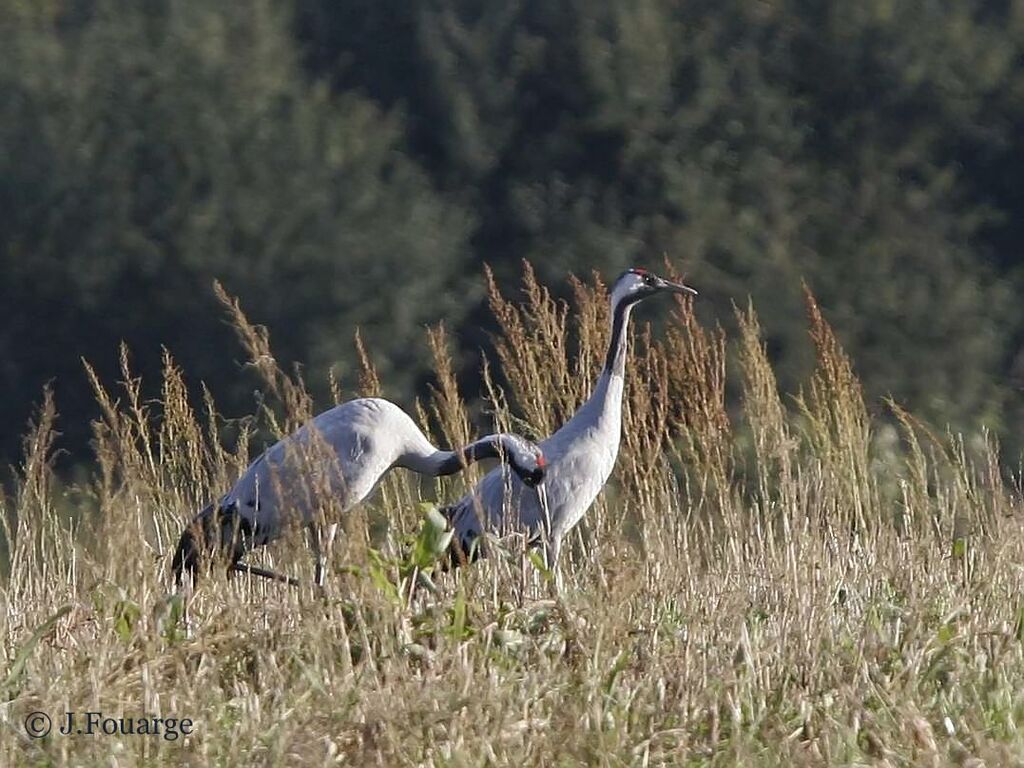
[580, 456]
[334, 461]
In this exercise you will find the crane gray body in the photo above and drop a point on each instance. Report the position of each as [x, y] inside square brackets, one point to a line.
[325, 468]
[338, 457]
[580, 456]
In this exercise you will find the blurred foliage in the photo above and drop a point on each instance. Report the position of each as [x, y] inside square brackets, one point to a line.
[352, 164]
[148, 148]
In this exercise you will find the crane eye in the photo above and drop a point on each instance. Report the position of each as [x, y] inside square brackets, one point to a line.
[649, 280]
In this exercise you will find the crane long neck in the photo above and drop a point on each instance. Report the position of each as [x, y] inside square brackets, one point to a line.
[436, 463]
[603, 410]
[615, 360]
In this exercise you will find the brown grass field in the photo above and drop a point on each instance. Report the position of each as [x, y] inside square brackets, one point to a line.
[789, 580]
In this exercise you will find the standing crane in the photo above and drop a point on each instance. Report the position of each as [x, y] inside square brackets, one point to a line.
[580, 456]
[338, 457]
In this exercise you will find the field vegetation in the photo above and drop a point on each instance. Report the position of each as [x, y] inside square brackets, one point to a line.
[808, 579]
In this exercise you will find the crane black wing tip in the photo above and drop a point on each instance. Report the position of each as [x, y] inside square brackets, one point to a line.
[186, 554]
[202, 539]
[186, 557]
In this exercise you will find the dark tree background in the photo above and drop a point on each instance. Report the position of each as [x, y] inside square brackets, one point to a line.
[343, 164]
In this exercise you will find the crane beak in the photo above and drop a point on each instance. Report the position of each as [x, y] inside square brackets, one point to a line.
[677, 288]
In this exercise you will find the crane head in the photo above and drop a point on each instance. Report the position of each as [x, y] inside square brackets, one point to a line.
[637, 284]
[526, 459]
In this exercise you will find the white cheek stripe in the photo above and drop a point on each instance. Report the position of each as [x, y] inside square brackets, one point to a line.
[625, 288]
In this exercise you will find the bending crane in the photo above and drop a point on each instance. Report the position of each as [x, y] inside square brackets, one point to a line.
[340, 455]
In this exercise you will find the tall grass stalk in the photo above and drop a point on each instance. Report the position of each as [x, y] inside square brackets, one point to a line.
[806, 580]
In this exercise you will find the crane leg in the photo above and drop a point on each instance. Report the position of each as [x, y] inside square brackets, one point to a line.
[257, 571]
[551, 550]
[322, 541]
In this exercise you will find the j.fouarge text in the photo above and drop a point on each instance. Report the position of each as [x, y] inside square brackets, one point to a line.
[96, 723]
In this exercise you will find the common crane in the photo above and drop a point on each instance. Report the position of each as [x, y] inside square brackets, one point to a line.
[580, 456]
[340, 455]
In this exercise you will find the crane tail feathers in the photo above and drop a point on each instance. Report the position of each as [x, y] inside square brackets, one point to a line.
[186, 557]
[204, 540]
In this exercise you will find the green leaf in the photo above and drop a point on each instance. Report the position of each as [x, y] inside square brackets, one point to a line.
[126, 616]
[620, 663]
[946, 633]
[538, 562]
[379, 577]
[959, 547]
[26, 650]
[433, 539]
[459, 629]
[167, 615]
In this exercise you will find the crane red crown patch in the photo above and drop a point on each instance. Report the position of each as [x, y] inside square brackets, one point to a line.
[638, 271]
[541, 461]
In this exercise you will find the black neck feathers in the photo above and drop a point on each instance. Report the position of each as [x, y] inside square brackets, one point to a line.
[615, 360]
[481, 449]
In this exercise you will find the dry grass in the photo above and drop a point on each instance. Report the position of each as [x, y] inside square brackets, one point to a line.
[801, 584]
